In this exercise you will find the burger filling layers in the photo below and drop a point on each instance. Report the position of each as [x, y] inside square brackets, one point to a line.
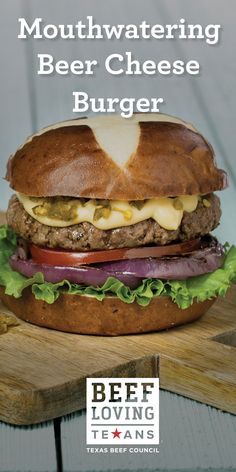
[131, 250]
[84, 225]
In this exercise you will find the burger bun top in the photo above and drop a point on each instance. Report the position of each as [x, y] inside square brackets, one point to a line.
[147, 156]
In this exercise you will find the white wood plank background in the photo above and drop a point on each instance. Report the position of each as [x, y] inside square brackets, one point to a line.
[194, 436]
[30, 449]
[15, 111]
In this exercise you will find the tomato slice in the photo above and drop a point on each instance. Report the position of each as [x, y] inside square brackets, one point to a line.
[60, 257]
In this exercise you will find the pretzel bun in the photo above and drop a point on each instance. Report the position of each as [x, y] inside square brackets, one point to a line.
[150, 155]
[111, 317]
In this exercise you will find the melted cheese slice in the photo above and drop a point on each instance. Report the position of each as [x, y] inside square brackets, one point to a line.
[167, 212]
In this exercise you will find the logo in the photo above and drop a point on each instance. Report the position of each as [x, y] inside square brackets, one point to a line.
[122, 411]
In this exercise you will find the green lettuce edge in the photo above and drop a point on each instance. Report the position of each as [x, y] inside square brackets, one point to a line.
[181, 292]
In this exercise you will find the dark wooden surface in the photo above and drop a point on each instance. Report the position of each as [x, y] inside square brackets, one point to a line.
[195, 437]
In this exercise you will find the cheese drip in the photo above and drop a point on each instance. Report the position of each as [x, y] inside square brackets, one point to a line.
[166, 211]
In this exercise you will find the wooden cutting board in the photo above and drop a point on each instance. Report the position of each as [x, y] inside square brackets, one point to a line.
[43, 372]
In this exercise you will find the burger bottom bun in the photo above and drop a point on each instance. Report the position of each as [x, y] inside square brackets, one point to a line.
[111, 317]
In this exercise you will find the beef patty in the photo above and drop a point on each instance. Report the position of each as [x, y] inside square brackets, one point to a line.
[85, 237]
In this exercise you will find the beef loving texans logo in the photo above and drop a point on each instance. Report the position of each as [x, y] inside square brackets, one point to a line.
[122, 411]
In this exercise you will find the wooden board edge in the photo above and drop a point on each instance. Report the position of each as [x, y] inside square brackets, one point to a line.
[197, 384]
[31, 407]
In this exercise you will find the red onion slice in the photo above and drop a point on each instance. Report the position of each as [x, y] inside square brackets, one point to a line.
[199, 262]
[80, 275]
[130, 272]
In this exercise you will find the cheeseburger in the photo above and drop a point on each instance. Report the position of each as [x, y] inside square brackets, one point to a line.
[109, 229]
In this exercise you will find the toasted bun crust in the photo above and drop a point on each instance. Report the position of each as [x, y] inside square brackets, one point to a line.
[150, 155]
[111, 317]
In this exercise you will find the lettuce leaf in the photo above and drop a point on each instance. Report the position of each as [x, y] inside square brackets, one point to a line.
[183, 293]
[13, 282]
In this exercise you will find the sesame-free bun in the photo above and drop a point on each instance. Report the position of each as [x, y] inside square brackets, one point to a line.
[150, 155]
[110, 317]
